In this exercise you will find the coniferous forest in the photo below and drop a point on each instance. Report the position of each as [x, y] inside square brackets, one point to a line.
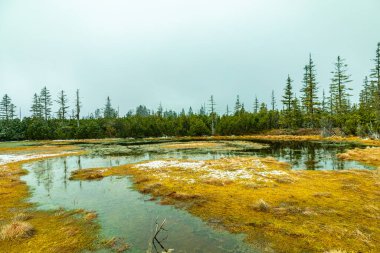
[331, 111]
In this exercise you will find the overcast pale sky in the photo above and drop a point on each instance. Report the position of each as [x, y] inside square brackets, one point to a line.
[179, 52]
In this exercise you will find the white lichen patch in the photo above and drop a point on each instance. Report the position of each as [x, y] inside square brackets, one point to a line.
[223, 169]
[272, 173]
[11, 158]
[160, 164]
[228, 175]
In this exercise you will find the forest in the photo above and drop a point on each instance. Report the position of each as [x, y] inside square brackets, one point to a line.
[332, 113]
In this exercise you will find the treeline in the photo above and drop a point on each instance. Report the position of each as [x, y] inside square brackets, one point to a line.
[333, 110]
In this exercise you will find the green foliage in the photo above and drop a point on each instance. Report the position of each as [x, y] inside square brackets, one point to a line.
[7, 108]
[309, 94]
[338, 88]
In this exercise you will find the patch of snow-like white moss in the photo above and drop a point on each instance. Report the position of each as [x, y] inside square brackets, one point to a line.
[170, 164]
[11, 158]
[272, 173]
[228, 175]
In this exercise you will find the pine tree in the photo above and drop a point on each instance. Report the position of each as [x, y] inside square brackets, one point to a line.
[7, 108]
[375, 72]
[309, 93]
[365, 96]
[202, 111]
[45, 100]
[375, 81]
[160, 110]
[287, 98]
[237, 108]
[190, 112]
[273, 101]
[212, 105]
[36, 108]
[296, 115]
[62, 104]
[212, 114]
[338, 87]
[256, 105]
[108, 111]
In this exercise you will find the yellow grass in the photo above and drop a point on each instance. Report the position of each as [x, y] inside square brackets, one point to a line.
[369, 156]
[28, 230]
[218, 145]
[16, 229]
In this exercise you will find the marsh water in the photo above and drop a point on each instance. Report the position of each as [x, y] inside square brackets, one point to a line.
[122, 211]
[126, 213]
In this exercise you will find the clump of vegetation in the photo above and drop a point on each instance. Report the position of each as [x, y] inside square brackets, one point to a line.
[116, 244]
[94, 175]
[261, 206]
[16, 229]
[370, 156]
[90, 216]
[22, 217]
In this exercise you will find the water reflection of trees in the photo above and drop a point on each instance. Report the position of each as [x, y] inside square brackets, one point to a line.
[306, 155]
[44, 174]
[65, 172]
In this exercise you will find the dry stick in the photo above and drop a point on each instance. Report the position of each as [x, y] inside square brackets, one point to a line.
[159, 228]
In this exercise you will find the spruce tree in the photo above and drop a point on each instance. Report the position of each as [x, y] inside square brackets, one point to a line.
[160, 110]
[365, 95]
[375, 81]
[202, 111]
[273, 101]
[375, 72]
[287, 98]
[36, 108]
[7, 108]
[45, 100]
[212, 114]
[338, 87]
[190, 112]
[62, 105]
[256, 105]
[237, 108]
[108, 111]
[309, 93]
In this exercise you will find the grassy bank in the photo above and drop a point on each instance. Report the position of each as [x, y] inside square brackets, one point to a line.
[25, 229]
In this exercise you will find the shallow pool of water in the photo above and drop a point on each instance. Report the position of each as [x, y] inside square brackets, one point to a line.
[301, 155]
[123, 212]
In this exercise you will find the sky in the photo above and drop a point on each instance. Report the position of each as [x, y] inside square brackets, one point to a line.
[178, 53]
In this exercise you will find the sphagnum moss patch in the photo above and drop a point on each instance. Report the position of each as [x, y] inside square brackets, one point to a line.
[279, 209]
